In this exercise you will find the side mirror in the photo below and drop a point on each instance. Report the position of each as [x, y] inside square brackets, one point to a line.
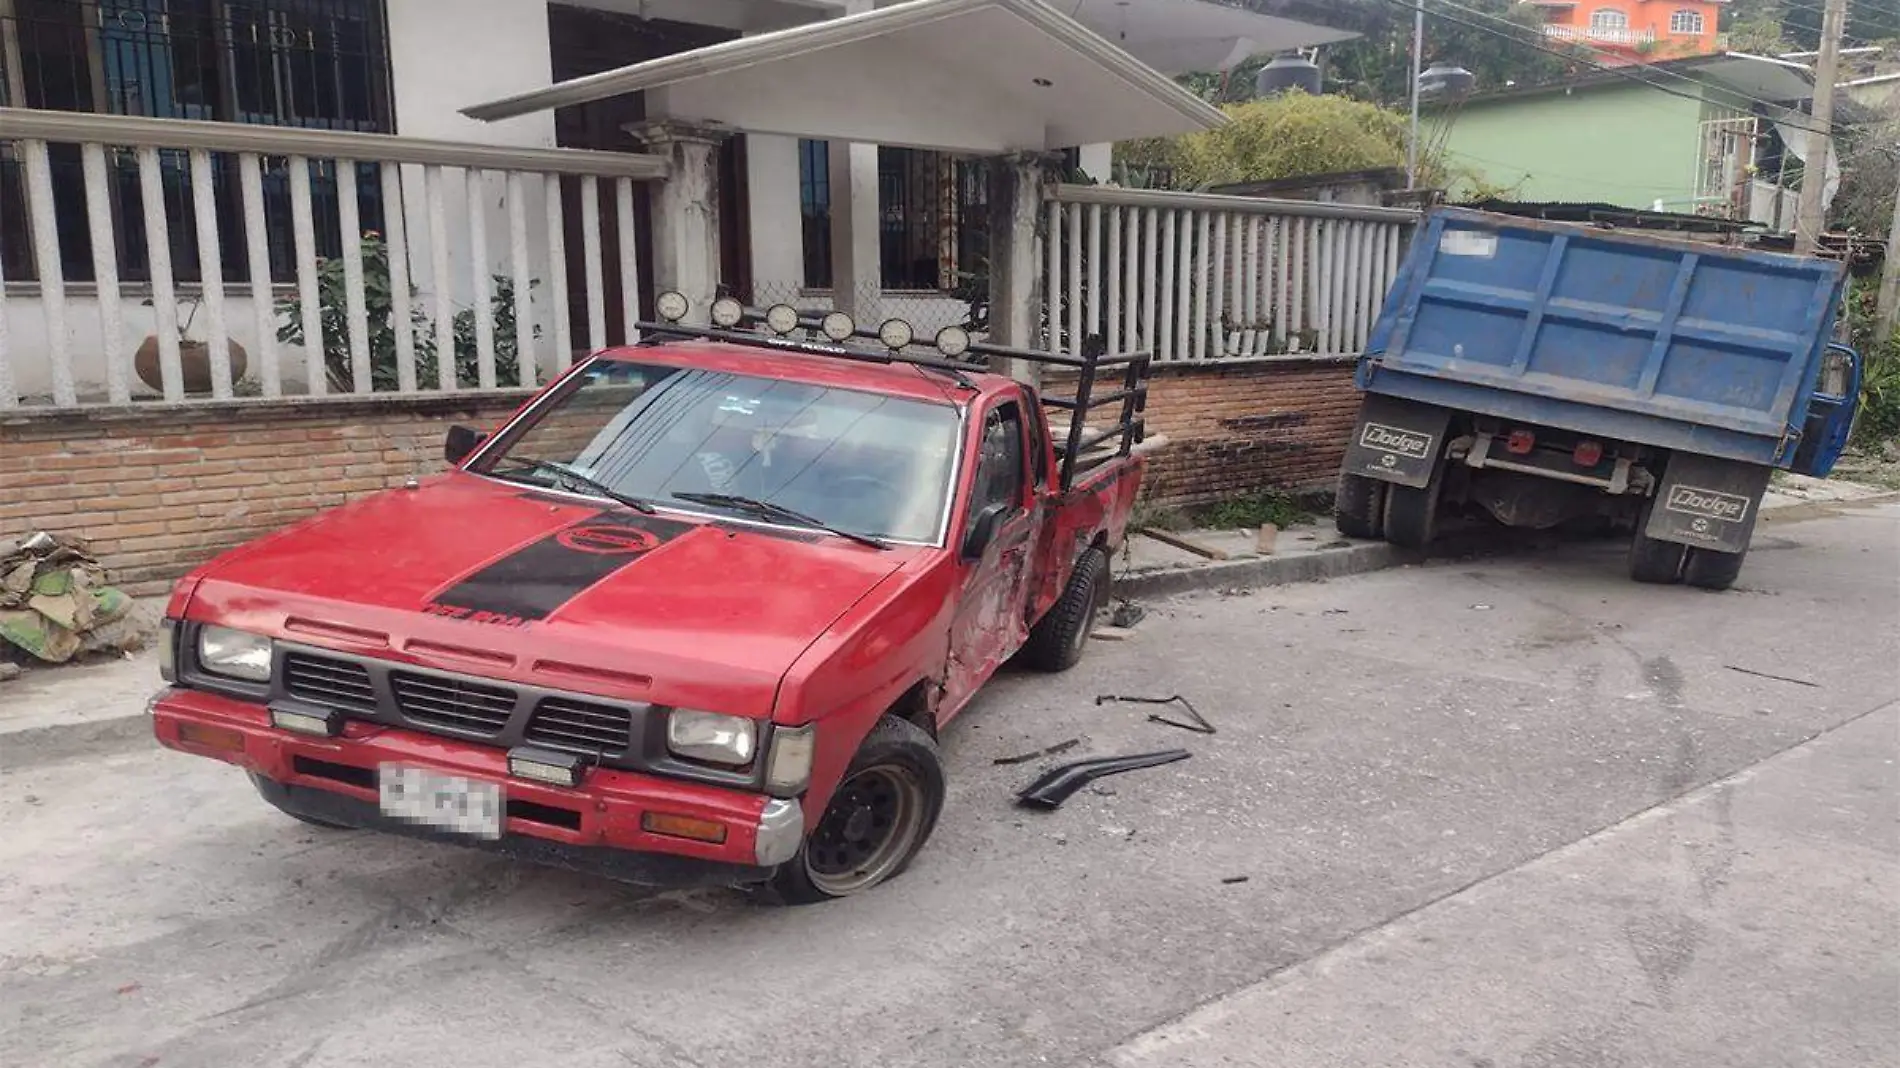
[462, 441]
[982, 530]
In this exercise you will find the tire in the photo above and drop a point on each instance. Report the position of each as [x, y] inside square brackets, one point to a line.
[1411, 515]
[896, 777]
[1710, 570]
[1359, 506]
[1057, 640]
[258, 782]
[1650, 559]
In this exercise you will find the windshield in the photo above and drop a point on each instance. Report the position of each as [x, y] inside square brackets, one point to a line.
[859, 462]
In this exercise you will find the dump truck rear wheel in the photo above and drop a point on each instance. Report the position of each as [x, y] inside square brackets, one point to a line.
[1359, 506]
[1710, 570]
[1411, 515]
[1651, 559]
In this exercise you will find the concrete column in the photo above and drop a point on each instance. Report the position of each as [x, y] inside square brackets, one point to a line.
[857, 272]
[1098, 162]
[1015, 258]
[685, 211]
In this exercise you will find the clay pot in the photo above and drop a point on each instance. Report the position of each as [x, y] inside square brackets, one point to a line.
[194, 359]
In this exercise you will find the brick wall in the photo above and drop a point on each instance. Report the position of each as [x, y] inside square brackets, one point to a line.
[1243, 426]
[156, 489]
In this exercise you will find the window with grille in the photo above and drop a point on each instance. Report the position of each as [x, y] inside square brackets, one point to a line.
[930, 216]
[1686, 22]
[314, 64]
[1609, 18]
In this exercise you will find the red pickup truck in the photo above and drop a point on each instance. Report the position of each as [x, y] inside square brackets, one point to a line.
[692, 616]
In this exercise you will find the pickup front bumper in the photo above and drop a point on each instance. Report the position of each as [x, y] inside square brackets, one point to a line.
[596, 827]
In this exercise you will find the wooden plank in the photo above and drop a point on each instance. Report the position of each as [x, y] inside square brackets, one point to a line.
[1183, 543]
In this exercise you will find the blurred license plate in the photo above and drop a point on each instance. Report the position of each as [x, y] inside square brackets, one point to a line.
[449, 802]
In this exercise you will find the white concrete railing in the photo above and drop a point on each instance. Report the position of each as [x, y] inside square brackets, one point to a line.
[1600, 34]
[144, 187]
[1194, 276]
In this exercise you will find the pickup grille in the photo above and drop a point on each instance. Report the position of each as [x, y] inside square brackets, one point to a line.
[453, 703]
[331, 683]
[581, 726]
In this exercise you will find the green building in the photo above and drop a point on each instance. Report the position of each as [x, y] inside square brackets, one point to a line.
[1725, 139]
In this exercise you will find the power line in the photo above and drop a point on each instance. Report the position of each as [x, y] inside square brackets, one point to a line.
[1624, 72]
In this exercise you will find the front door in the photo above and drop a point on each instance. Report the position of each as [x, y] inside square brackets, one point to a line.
[987, 626]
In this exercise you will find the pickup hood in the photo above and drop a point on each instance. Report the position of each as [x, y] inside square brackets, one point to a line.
[466, 574]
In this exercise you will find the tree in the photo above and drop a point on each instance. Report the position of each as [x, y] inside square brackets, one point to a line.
[1282, 136]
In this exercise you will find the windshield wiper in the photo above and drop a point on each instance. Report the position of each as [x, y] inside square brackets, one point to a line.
[562, 473]
[768, 510]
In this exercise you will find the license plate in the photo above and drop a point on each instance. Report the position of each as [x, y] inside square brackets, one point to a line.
[448, 802]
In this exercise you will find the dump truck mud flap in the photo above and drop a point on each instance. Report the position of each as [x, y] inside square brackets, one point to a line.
[1708, 503]
[1397, 441]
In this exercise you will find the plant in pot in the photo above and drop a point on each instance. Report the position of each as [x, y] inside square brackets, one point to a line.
[194, 357]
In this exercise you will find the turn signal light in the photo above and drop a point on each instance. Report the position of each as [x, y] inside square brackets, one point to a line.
[1520, 442]
[677, 826]
[223, 739]
[1588, 454]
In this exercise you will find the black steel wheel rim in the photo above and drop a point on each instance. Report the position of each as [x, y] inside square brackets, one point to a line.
[867, 830]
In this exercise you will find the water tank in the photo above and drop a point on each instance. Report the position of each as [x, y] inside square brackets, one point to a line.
[1441, 78]
[1288, 72]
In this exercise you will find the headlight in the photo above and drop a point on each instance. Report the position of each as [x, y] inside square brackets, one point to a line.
[711, 737]
[234, 654]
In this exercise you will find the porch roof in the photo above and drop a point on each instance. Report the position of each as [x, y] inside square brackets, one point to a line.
[983, 77]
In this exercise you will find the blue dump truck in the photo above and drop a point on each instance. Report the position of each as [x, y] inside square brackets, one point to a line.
[1553, 374]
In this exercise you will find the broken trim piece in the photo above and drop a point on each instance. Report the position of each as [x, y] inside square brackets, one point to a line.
[1060, 783]
[1199, 726]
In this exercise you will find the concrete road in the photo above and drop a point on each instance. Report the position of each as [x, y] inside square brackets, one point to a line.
[1490, 814]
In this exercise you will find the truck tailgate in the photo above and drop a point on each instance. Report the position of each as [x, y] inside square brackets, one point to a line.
[1673, 343]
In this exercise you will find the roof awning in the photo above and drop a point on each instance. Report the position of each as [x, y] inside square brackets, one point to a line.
[983, 77]
[1178, 36]
[1759, 77]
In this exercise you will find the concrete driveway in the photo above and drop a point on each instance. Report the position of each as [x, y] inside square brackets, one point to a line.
[1491, 813]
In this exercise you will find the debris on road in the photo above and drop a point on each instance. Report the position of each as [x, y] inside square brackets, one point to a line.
[9, 672]
[53, 594]
[1111, 634]
[1766, 675]
[1061, 782]
[1199, 726]
[1264, 538]
[1184, 543]
[1232, 880]
[1127, 614]
[1024, 758]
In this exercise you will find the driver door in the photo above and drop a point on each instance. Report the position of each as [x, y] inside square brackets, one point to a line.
[994, 584]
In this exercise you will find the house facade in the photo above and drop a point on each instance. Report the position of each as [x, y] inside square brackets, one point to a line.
[1633, 31]
[1722, 135]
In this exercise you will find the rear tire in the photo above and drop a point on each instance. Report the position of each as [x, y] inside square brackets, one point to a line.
[1411, 515]
[1359, 506]
[1710, 570]
[875, 823]
[1651, 559]
[1057, 640]
[258, 781]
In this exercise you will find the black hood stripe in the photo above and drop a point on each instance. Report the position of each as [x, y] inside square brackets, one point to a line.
[534, 581]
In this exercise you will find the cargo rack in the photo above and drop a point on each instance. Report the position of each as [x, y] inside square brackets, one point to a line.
[1078, 453]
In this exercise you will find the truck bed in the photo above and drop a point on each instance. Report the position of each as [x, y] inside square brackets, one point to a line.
[1670, 343]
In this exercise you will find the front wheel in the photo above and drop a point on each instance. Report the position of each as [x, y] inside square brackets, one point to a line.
[876, 821]
[1359, 506]
[1059, 637]
[1710, 570]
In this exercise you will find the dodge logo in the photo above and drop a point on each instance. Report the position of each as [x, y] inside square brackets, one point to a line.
[605, 540]
[1397, 440]
[1707, 504]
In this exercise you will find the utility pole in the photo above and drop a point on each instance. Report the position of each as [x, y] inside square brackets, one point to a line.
[1811, 218]
[1890, 271]
[1418, 58]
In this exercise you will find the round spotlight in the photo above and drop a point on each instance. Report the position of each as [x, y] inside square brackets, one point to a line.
[671, 306]
[727, 312]
[953, 341]
[838, 327]
[781, 319]
[895, 334]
